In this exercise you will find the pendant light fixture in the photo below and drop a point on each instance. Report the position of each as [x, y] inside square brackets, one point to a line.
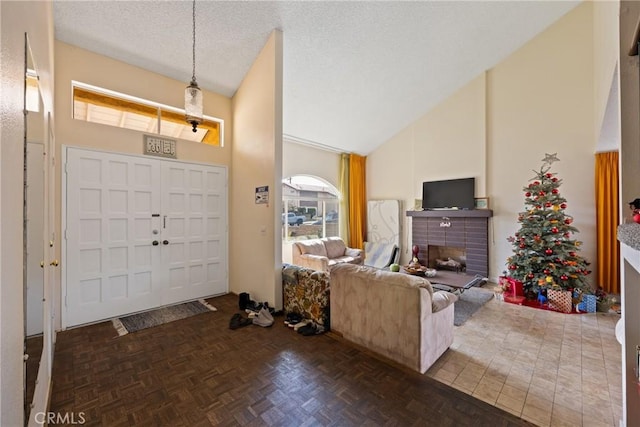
[193, 94]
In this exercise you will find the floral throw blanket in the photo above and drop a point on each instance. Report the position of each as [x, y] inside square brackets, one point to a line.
[306, 292]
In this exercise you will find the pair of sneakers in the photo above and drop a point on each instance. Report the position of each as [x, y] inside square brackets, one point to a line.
[263, 318]
[292, 319]
[238, 321]
[311, 328]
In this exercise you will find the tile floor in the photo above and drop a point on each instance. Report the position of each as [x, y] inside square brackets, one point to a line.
[549, 368]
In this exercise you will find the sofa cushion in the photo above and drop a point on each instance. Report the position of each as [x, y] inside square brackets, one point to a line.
[312, 247]
[441, 300]
[341, 260]
[335, 247]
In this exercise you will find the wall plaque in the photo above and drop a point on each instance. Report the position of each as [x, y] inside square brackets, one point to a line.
[158, 146]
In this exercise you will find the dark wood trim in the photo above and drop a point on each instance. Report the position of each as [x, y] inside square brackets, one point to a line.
[471, 213]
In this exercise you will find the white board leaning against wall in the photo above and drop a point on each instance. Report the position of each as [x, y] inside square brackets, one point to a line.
[383, 231]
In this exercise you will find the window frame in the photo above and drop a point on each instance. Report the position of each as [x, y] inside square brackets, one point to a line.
[160, 108]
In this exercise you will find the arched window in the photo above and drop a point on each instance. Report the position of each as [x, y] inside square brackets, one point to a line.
[310, 208]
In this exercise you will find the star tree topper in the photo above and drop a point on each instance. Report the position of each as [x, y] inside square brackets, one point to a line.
[550, 158]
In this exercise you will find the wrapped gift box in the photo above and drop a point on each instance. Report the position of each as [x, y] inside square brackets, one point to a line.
[560, 300]
[588, 304]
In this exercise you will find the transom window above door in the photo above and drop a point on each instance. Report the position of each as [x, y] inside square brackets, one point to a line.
[99, 105]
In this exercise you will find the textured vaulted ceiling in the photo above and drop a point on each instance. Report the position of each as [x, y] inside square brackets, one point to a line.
[355, 73]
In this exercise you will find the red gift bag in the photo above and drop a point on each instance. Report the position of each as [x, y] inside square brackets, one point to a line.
[513, 289]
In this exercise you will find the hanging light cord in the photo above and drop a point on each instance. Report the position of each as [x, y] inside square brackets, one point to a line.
[193, 78]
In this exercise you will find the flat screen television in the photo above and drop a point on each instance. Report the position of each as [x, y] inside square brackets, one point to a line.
[449, 194]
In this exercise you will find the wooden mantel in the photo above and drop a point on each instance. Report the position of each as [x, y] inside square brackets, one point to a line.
[453, 213]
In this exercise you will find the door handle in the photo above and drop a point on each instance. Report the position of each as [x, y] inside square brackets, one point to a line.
[155, 243]
[165, 242]
[41, 264]
[54, 263]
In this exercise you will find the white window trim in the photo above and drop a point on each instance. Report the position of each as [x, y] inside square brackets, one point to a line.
[113, 93]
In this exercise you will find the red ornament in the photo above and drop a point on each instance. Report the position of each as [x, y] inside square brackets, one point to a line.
[548, 175]
[548, 251]
[548, 204]
[554, 179]
[512, 267]
[564, 277]
[522, 246]
[554, 229]
[546, 271]
[572, 253]
[530, 275]
[563, 205]
[554, 191]
[558, 242]
[536, 182]
[636, 218]
[568, 221]
[528, 194]
[536, 238]
[542, 193]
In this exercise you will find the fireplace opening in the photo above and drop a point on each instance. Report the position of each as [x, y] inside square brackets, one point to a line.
[447, 258]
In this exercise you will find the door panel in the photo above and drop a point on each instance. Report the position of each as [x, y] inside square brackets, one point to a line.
[35, 233]
[193, 270]
[117, 205]
[110, 258]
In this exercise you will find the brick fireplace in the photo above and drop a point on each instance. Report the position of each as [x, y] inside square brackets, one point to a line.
[462, 235]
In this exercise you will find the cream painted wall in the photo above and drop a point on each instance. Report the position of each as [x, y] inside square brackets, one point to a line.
[255, 242]
[540, 100]
[300, 159]
[605, 48]
[499, 127]
[16, 18]
[446, 143]
[73, 63]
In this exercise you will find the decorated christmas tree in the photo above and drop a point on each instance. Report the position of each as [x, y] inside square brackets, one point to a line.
[545, 256]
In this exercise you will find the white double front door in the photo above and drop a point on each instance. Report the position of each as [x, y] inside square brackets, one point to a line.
[140, 233]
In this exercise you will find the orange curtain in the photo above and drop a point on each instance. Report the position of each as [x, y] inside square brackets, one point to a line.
[607, 219]
[357, 201]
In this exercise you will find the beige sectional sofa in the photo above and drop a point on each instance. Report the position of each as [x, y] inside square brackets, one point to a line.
[322, 254]
[394, 314]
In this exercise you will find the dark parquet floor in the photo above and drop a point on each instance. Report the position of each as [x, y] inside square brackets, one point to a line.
[198, 372]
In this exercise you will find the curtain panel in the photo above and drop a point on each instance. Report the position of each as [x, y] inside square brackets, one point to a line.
[607, 220]
[357, 201]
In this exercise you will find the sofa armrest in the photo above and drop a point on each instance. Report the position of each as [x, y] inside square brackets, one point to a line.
[314, 262]
[441, 300]
[357, 254]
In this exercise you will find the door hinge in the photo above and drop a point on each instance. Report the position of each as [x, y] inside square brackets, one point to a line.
[65, 167]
